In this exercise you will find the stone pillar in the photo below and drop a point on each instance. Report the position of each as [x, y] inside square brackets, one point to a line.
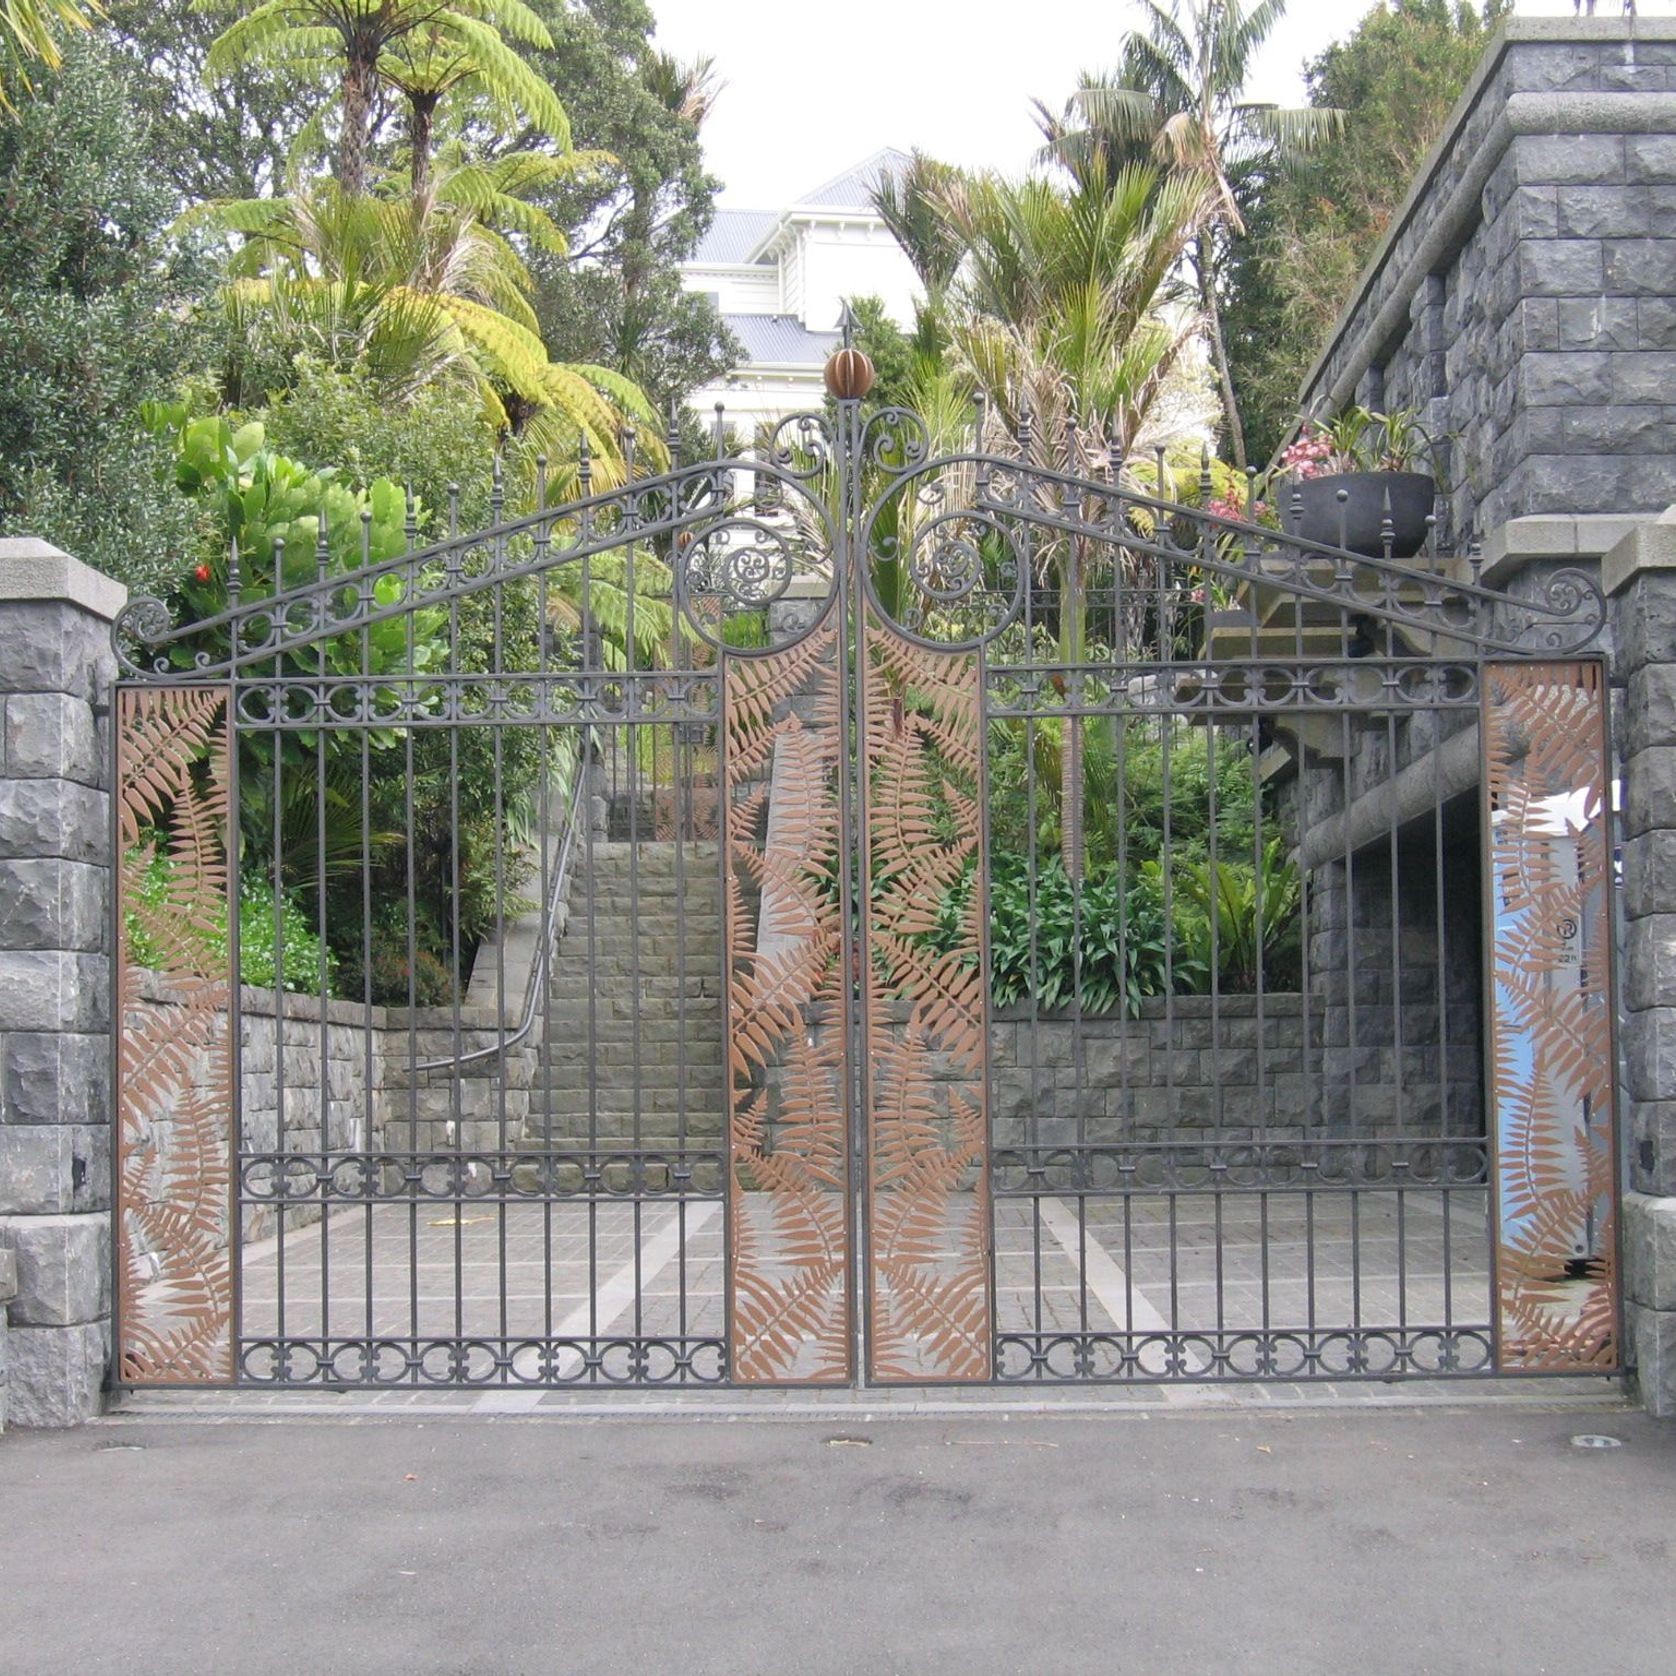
[1640, 572]
[55, 1111]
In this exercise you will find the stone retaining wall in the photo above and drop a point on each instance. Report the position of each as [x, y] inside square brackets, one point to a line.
[368, 1098]
[1525, 296]
[1187, 1067]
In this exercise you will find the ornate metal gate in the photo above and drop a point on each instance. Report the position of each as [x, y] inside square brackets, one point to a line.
[863, 911]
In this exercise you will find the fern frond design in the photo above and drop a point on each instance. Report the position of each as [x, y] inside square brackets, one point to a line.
[927, 1041]
[1543, 730]
[789, 1186]
[174, 1094]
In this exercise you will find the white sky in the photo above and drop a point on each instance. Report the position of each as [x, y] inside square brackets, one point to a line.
[813, 88]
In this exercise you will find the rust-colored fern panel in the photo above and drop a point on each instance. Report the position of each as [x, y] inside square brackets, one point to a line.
[174, 1094]
[787, 1007]
[927, 1034]
[1551, 1025]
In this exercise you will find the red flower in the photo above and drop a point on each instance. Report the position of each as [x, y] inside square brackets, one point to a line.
[202, 573]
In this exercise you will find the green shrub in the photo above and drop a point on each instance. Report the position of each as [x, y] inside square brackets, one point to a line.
[258, 934]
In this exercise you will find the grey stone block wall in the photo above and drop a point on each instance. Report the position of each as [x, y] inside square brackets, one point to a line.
[1183, 1071]
[1646, 634]
[55, 1159]
[1525, 298]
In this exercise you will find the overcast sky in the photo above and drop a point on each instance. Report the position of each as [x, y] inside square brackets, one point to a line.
[814, 88]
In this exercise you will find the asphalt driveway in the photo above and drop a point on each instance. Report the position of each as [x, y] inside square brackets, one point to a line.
[1359, 1540]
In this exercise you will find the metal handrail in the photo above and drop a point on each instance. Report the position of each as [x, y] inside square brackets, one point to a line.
[548, 946]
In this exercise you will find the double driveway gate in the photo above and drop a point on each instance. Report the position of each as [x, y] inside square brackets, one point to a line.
[855, 913]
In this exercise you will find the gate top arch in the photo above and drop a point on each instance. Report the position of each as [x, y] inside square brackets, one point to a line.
[951, 547]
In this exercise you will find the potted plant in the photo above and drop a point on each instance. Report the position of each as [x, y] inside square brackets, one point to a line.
[1355, 482]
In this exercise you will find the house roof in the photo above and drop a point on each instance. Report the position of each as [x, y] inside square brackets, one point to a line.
[780, 339]
[853, 189]
[742, 236]
[734, 235]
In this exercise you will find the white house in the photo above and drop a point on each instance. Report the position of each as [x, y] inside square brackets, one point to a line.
[780, 278]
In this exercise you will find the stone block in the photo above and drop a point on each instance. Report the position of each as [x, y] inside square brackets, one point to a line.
[46, 646]
[50, 903]
[1649, 1244]
[53, 818]
[43, 990]
[56, 1376]
[1597, 323]
[1645, 377]
[1649, 157]
[1649, 1048]
[1559, 267]
[1635, 267]
[1550, 66]
[51, 736]
[1595, 211]
[1649, 962]
[1566, 380]
[1613, 430]
[1651, 1141]
[54, 1077]
[50, 1170]
[1563, 159]
[1649, 863]
[1650, 789]
[63, 1268]
[1655, 319]
[1652, 1348]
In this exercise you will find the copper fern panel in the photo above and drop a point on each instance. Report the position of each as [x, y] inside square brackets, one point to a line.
[927, 1035]
[174, 1095]
[789, 1198]
[1551, 1034]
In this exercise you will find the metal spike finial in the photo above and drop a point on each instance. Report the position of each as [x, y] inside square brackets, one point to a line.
[847, 325]
[235, 576]
[410, 520]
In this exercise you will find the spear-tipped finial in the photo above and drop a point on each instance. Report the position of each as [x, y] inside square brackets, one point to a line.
[847, 324]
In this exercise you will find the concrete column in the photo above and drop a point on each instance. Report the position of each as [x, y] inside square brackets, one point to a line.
[1640, 572]
[55, 1111]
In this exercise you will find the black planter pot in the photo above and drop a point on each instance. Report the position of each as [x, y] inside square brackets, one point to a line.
[1314, 511]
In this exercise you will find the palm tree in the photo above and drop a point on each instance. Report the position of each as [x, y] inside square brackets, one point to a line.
[1059, 310]
[29, 31]
[423, 288]
[1180, 93]
[363, 42]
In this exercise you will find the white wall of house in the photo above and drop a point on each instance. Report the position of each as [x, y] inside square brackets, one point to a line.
[854, 260]
[780, 280]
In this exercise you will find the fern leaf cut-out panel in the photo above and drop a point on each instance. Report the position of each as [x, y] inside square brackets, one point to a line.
[1549, 876]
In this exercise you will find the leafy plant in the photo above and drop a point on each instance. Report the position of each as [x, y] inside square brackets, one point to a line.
[261, 933]
[1245, 923]
[1358, 439]
[1099, 943]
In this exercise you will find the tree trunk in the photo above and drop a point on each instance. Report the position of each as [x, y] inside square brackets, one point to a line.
[421, 118]
[356, 116]
[1219, 353]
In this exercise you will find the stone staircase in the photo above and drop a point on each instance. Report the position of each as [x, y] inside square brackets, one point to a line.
[634, 1030]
